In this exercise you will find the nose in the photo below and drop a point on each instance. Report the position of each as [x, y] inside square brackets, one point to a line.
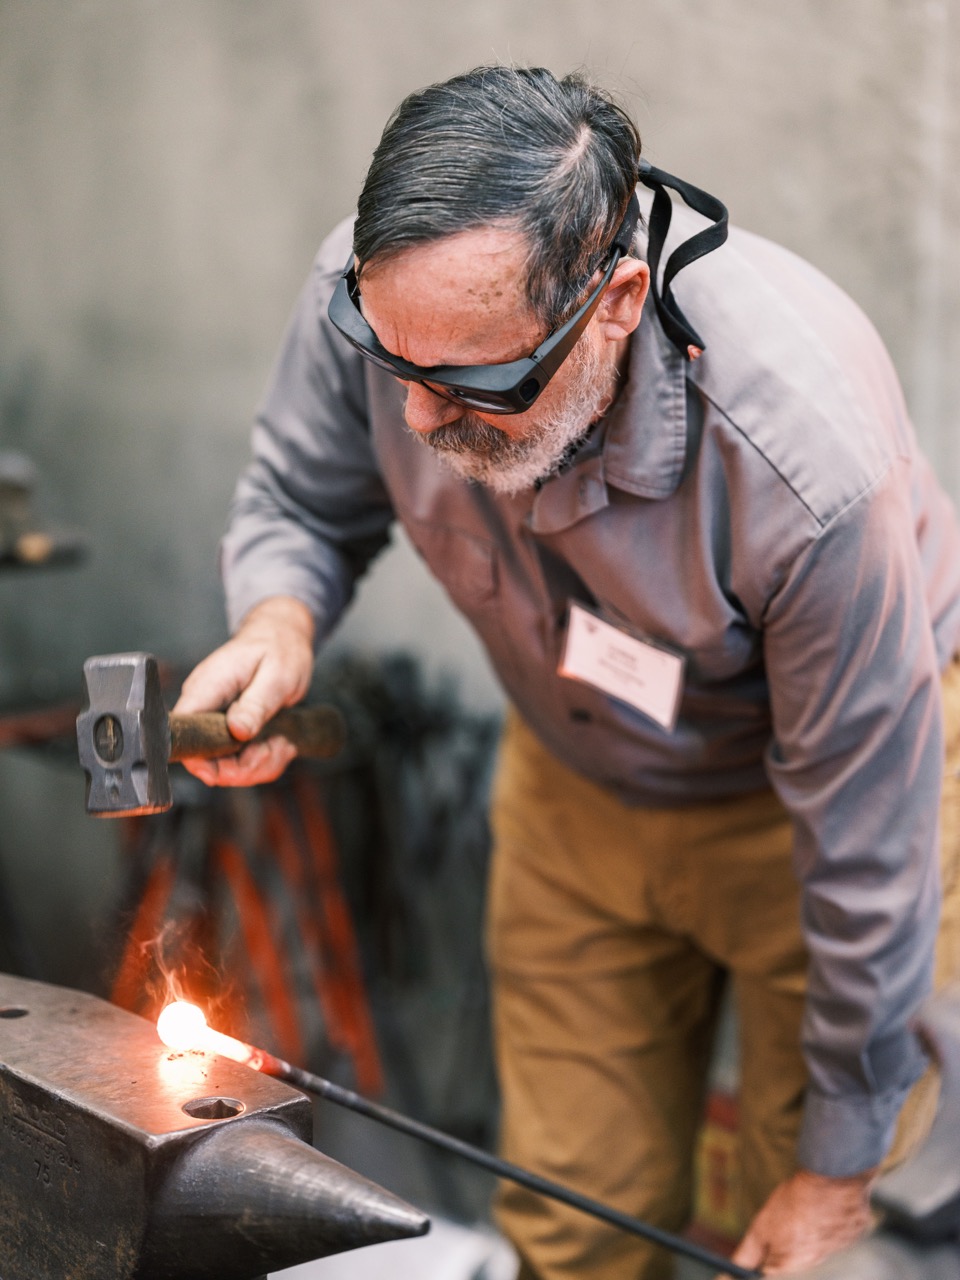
[425, 411]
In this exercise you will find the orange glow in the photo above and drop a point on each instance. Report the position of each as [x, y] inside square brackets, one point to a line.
[182, 1026]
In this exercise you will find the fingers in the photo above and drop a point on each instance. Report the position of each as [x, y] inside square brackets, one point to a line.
[252, 681]
[267, 665]
[258, 763]
[751, 1252]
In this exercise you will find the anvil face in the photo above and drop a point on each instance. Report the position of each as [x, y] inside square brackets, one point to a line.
[120, 1159]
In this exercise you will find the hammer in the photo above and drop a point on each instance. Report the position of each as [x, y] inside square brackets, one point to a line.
[126, 738]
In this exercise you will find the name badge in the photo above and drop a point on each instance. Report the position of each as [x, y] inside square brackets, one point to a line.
[642, 675]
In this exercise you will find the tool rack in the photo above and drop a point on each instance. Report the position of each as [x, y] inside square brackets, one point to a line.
[27, 547]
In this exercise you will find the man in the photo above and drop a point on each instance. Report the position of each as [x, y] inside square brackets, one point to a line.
[722, 591]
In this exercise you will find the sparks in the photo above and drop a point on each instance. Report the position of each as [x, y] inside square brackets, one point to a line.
[183, 1026]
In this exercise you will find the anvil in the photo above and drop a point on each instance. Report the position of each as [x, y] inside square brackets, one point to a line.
[120, 1160]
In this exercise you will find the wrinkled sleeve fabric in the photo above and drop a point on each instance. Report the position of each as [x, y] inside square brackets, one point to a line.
[310, 511]
[857, 758]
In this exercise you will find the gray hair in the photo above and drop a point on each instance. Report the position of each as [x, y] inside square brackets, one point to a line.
[557, 159]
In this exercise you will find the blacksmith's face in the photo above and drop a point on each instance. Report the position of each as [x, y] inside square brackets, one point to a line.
[461, 301]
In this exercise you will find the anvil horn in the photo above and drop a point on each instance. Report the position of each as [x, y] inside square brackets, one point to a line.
[245, 1199]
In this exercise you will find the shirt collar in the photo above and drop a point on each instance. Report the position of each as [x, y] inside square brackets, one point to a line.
[645, 442]
[644, 439]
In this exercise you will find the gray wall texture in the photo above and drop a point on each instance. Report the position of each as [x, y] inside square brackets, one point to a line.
[168, 168]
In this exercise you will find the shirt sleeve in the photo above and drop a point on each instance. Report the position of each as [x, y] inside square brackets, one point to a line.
[857, 759]
[310, 511]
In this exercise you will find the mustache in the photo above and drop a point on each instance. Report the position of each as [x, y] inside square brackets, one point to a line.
[472, 435]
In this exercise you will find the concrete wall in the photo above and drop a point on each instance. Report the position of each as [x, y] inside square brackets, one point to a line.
[168, 167]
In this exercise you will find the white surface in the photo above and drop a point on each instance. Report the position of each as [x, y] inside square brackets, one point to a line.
[448, 1252]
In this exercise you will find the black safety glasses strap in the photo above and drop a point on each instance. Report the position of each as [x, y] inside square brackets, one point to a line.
[675, 324]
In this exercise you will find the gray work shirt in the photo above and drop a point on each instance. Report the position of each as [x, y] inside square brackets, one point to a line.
[764, 512]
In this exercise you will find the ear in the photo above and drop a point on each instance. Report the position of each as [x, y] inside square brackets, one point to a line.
[622, 305]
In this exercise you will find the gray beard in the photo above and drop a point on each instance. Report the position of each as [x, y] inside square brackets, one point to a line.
[476, 450]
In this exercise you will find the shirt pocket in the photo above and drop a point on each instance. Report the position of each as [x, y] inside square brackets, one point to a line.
[463, 563]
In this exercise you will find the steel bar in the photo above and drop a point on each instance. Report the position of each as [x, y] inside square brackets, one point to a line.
[335, 1093]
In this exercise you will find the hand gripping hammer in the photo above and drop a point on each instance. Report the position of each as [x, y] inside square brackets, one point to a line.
[126, 738]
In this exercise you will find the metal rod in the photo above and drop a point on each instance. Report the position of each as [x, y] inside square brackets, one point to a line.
[317, 1085]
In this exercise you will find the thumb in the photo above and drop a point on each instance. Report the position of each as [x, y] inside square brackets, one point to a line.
[271, 688]
[751, 1251]
[247, 716]
[215, 682]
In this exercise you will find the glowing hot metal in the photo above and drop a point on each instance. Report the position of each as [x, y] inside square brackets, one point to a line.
[183, 1026]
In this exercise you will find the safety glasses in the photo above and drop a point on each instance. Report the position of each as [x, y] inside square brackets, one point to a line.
[512, 387]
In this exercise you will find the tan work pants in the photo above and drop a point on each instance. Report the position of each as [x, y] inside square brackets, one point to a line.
[610, 933]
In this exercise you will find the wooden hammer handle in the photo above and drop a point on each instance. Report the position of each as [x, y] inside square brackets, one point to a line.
[317, 732]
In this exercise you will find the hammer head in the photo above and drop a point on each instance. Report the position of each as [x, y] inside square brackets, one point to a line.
[123, 736]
